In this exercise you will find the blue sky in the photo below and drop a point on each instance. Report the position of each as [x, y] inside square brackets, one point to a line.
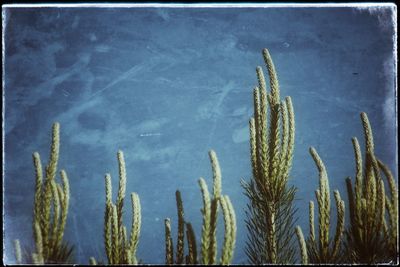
[166, 85]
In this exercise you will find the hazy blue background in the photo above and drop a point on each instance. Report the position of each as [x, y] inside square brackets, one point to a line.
[165, 85]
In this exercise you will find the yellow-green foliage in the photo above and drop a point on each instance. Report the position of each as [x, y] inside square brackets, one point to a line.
[372, 235]
[92, 261]
[17, 251]
[270, 213]
[120, 249]
[302, 244]
[169, 246]
[323, 249]
[210, 216]
[209, 227]
[50, 211]
[191, 257]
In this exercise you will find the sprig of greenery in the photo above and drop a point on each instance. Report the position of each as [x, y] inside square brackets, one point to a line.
[270, 213]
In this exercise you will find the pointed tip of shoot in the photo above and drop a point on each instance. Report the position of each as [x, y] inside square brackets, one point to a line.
[363, 115]
[56, 125]
[265, 51]
[211, 152]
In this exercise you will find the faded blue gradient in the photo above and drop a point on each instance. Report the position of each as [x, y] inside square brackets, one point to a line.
[165, 85]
